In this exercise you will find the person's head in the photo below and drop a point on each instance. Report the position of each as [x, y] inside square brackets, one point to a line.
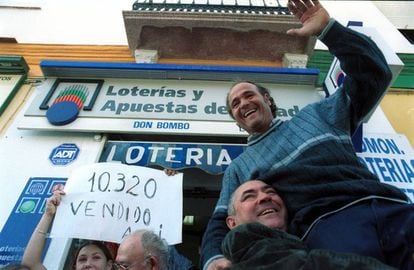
[256, 201]
[251, 105]
[93, 255]
[140, 250]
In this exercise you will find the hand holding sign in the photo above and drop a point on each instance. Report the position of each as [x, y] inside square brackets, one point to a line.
[106, 201]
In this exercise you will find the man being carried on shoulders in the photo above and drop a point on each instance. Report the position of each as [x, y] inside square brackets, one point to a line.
[310, 159]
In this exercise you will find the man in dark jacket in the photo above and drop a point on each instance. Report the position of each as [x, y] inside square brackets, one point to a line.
[257, 240]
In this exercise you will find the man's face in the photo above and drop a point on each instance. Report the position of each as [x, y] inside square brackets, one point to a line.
[250, 108]
[256, 201]
[131, 254]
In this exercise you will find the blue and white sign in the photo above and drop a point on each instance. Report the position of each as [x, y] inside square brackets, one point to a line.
[24, 217]
[212, 158]
[64, 154]
[171, 106]
[391, 158]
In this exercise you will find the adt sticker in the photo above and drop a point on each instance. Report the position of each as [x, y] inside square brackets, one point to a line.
[64, 154]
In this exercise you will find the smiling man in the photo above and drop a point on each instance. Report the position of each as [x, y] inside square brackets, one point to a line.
[256, 201]
[310, 160]
[251, 106]
[257, 218]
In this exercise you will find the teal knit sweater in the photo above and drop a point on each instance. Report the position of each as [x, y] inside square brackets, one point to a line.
[310, 159]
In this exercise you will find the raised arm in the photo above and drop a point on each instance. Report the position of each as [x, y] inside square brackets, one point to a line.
[367, 72]
[32, 256]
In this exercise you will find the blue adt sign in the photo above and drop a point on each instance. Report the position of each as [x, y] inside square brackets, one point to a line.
[64, 154]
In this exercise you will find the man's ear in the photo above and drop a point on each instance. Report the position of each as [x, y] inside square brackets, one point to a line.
[231, 222]
[267, 99]
[154, 263]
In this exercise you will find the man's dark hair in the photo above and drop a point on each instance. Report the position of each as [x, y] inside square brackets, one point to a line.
[262, 90]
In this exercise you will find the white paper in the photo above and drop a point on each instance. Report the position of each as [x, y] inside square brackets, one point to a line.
[107, 201]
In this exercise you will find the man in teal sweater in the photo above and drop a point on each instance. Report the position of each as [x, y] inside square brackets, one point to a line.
[334, 201]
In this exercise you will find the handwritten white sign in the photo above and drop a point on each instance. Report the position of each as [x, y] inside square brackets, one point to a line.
[107, 201]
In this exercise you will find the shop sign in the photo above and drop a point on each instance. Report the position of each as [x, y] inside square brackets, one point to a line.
[391, 158]
[152, 106]
[212, 158]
